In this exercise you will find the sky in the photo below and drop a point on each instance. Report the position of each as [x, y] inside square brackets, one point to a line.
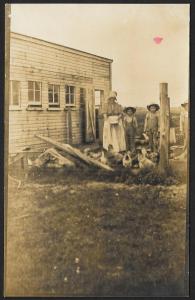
[124, 33]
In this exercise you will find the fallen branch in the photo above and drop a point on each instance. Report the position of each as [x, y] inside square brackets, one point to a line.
[75, 152]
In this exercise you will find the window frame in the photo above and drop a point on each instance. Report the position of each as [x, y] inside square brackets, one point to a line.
[11, 105]
[35, 103]
[74, 94]
[54, 104]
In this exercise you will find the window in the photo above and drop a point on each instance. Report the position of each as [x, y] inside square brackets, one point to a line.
[14, 99]
[69, 95]
[53, 95]
[97, 97]
[82, 96]
[34, 92]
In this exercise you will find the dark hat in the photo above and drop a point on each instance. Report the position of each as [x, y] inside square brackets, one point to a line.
[153, 104]
[129, 107]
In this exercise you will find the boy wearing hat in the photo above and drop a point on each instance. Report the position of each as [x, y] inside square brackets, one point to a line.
[151, 126]
[130, 125]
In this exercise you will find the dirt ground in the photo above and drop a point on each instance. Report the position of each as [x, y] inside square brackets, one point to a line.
[74, 235]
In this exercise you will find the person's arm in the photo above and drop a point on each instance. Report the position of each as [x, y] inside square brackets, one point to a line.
[146, 122]
[158, 116]
[135, 122]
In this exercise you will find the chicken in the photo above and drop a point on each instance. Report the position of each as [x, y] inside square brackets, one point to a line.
[144, 162]
[103, 159]
[29, 162]
[95, 155]
[127, 160]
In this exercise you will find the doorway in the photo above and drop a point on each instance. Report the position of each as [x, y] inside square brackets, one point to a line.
[98, 122]
[83, 113]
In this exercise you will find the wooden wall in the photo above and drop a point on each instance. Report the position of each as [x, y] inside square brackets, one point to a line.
[37, 60]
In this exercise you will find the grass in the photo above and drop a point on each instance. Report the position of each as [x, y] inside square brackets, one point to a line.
[128, 238]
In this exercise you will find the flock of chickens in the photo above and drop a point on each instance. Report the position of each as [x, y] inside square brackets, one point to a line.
[141, 159]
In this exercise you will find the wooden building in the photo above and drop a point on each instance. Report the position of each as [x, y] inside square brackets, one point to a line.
[54, 91]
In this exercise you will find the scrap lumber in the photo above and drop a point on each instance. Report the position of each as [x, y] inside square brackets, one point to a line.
[19, 182]
[75, 152]
[17, 157]
[52, 155]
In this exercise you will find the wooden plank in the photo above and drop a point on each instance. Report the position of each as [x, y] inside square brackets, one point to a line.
[41, 43]
[164, 128]
[75, 152]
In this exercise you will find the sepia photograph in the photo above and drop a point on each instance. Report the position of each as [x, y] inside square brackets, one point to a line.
[97, 114]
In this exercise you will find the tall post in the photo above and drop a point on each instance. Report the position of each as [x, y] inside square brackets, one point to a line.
[164, 127]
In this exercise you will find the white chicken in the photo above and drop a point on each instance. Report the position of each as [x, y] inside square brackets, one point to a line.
[29, 162]
[144, 162]
[103, 158]
[127, 160]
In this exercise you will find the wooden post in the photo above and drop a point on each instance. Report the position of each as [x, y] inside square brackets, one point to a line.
[164, 127]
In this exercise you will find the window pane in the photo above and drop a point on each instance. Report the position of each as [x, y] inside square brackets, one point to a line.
[82, 96]
[72, 98]
[37, 96]
[50, 88]
[15, 100]
[56, 88]
[50, 97]
[30, 85]
[15, 86]
[37, 85]
[67, 98]
[30, 95]
[56, 98]
[67, 89]
[71, 89]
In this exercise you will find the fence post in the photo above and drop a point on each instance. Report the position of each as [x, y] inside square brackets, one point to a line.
[164, 127]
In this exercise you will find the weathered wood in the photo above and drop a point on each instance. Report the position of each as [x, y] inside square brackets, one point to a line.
[75, 152]
[52, 154]
[164, 127]
[69, 123]
[50, 63]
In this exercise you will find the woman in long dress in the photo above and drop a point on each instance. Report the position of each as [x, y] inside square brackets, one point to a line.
[113, 130]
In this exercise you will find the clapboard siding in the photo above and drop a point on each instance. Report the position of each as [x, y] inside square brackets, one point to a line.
[36, 60]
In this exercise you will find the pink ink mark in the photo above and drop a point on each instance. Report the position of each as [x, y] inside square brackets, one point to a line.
[158, 39]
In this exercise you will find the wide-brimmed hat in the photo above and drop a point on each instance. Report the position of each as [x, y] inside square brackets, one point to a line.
[153, 104]
[184, 104]
[112, 95]
[129, 107]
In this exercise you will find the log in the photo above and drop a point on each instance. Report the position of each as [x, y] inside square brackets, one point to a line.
[75, 152]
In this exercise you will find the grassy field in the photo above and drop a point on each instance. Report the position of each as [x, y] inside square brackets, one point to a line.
[82, 234]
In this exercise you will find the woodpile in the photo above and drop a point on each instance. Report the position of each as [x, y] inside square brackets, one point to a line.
[76, 153]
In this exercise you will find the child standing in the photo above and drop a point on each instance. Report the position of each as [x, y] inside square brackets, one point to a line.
[152, 126]
[130, 125]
